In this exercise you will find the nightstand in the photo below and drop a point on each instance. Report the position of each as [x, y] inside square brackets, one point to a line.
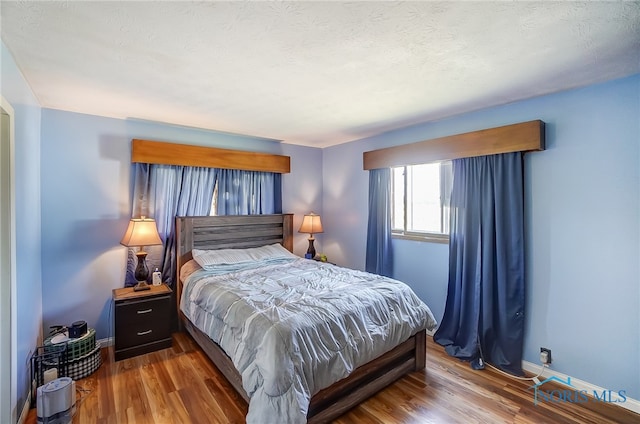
[142, 320]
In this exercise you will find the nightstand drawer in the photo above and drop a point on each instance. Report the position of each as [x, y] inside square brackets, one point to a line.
[138, 334]
[146, 310]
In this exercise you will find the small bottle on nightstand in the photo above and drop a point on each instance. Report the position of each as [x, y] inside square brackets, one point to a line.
[156, 278]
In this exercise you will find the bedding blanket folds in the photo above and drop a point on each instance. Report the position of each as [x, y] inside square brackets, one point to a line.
[296, 327]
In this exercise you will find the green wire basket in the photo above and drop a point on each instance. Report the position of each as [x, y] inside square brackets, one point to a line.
[76, 348]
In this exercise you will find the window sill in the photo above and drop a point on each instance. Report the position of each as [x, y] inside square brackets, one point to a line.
[429, 238]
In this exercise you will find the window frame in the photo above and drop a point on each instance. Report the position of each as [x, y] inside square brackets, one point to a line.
[404, 234]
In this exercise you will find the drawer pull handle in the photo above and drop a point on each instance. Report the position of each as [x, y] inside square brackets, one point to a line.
[146, 311]
[144, 333]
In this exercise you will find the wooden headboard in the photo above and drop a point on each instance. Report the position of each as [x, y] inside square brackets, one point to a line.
[228, 232]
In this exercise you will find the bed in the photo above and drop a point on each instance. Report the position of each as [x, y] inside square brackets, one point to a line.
[326, 400]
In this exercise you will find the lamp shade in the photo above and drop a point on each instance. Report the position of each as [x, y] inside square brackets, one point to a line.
[141, 232]
[311, 224]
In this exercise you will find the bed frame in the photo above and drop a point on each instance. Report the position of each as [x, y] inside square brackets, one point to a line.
[223, 232]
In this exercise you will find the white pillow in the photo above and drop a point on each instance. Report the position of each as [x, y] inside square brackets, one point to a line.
[273, 251]
[209, 259]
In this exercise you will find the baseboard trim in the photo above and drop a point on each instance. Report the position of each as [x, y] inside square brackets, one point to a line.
[25, 410]
[105, 342]
[630, 403]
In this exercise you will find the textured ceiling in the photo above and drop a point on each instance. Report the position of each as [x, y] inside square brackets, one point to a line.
[312, 73]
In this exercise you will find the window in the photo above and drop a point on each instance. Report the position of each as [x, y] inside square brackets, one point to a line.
[214, 201]
[420, 208]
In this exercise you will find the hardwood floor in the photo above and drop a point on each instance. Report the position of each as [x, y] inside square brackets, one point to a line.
[180, 385]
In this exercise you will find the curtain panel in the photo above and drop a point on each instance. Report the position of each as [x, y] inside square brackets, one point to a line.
[163, 192]
[379, 253]
[484, 312]
[248, 192]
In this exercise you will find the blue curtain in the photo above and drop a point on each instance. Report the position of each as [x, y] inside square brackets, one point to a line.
[484, 313]
[248, 192]
[163, 192]
[379, 255]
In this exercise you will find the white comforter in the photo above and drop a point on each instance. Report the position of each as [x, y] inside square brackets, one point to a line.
[297, 327]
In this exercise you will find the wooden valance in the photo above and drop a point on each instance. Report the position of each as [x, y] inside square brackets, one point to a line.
[146, 151]
[522, 137]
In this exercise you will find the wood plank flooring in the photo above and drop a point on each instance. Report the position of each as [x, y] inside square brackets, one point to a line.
[180, 385]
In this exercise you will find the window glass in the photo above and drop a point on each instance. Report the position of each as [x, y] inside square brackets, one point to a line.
[420, 199]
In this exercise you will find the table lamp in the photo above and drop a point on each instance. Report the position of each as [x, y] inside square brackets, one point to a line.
[311, 224]
[140, 233]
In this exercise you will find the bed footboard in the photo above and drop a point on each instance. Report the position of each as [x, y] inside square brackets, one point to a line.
[345, 394]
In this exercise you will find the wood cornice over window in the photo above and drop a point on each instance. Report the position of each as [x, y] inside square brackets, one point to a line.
[522, 137]
[146, 151]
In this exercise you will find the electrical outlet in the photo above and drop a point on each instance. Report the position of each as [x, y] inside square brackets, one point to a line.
[545, 355]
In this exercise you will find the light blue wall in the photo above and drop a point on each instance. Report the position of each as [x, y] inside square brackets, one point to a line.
[302, 192]
[345, 192]
[582, 219]
[27, 115]
[86, 204]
